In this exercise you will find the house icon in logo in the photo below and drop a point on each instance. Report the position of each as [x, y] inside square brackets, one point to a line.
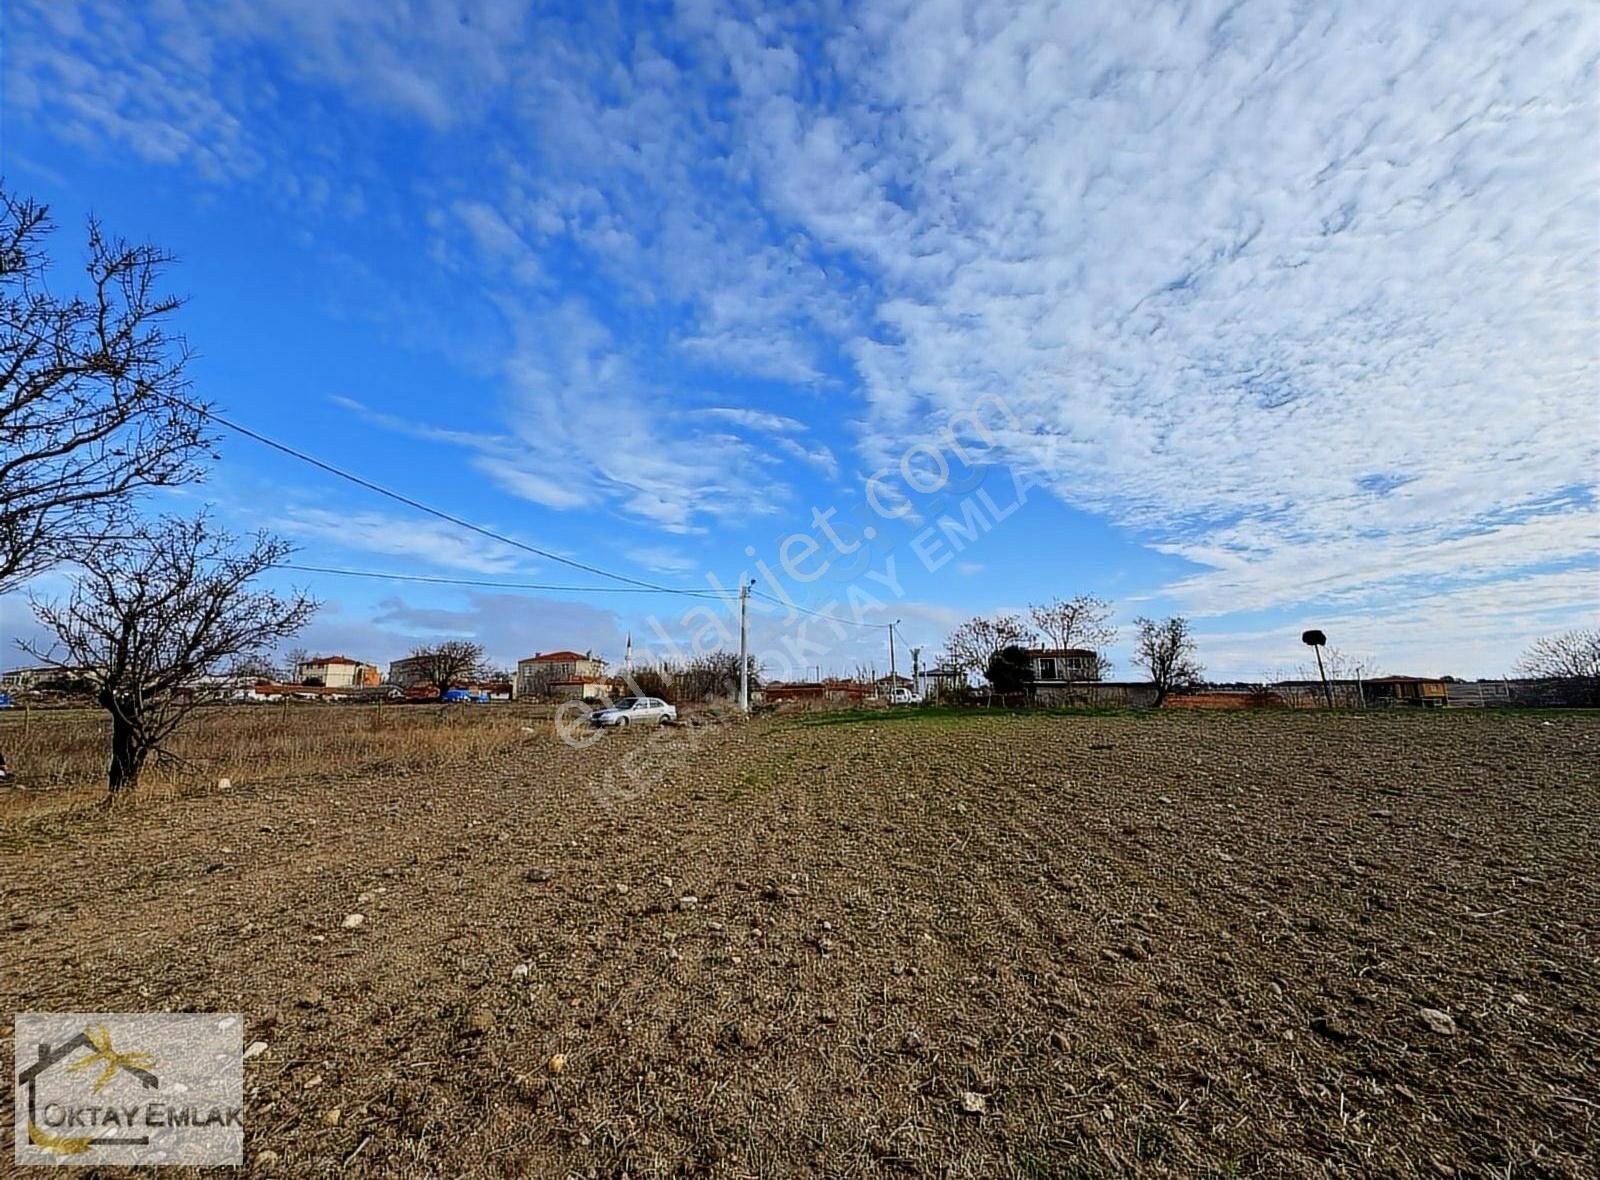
[98, 1041]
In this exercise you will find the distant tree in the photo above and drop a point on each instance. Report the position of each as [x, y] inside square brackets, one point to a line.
[1166, 651]
[1572, 657]
[154, 610]
[94, 407]
[1339, 665]
[258, 668]
[1010, 670]
[1083, 621]
[449, 664]
[713, 676]
[292, 660]
[650, 681]
[972, 645]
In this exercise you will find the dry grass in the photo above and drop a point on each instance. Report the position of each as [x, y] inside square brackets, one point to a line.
[58, 757]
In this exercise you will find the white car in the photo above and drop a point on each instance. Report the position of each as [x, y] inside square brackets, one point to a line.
[904, 696]
[635, 711]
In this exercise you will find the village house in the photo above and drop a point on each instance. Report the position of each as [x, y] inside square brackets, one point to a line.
[28, 677]
[409, 671]
[569, 675]
[337, 672]
[942, 683]
[1063, 665]
[1420, 691]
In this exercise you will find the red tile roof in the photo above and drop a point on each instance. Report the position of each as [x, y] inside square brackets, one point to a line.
[332, 660]
[556, 657]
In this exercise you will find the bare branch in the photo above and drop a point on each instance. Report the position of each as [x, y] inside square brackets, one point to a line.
[1082, 622]
[973, 645]
[450, 664]
[94, 407]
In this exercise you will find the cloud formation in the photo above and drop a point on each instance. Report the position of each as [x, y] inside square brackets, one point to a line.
[1302, 296]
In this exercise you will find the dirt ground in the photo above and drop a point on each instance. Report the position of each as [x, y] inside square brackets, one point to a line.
[989, 946]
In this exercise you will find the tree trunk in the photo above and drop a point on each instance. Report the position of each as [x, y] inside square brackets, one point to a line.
[127, 756]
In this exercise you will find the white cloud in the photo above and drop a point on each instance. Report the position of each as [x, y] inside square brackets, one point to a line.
[1238, 271]
[1302, 296]
[1467, 631]
[662, 559]
[755, 419]
[434, 542]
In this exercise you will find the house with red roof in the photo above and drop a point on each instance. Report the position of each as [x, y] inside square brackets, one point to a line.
[337, 672]
[569, 675]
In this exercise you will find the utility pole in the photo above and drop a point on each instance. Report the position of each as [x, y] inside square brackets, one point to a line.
[893, 679]
[744, 645]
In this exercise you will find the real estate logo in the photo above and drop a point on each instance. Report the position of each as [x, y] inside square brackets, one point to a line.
[129, 1088]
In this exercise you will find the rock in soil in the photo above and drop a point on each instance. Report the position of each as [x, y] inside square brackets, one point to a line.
[1332, 1027]
[1440, 1022]
[742, 1034]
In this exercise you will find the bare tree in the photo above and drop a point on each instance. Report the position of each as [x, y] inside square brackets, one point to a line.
[713, 675]
[292, 660]
[1166, 651]
[1572, 657]
[450, 663]
[155, 610]
[1339, 665]
[258, 668]
[1083, 621]
[972, 645]
[647, 680]
[93, 401]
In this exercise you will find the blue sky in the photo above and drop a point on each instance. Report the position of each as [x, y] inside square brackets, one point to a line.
[1280, 317]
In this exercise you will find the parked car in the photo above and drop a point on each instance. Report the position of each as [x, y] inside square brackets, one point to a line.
[636, 711]
[904, 696]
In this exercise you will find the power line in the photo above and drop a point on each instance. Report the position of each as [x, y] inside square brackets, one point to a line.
[369, 485]
[442, 581]
[399, 497]
[439, 513]
[808, 611]
[431, 579]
